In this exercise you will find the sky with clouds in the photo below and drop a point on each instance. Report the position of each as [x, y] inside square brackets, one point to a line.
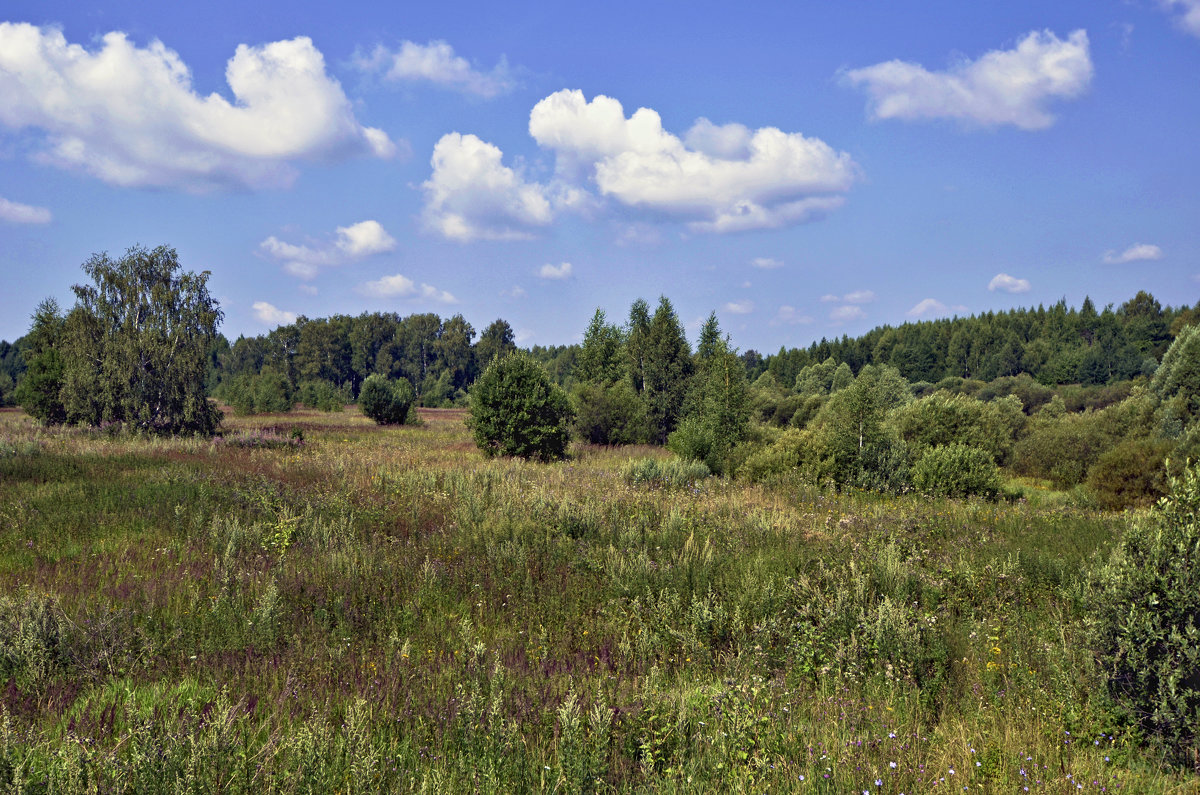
[804, 169]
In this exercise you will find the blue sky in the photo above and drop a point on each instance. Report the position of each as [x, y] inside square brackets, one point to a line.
[805, 169]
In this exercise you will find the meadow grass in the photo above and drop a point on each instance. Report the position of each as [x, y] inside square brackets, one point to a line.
[318, 604]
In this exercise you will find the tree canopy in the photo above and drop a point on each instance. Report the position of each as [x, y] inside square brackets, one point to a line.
[135, 348]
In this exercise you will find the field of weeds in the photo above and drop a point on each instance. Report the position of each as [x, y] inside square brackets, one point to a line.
[312, 603]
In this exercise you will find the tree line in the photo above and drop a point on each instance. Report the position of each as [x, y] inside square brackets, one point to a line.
[1053, 345]
[1075, 397]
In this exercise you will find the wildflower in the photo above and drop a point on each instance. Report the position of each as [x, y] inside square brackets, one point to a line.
[892, 765]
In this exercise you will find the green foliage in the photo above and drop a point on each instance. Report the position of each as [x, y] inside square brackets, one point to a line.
[943, 418]
[1177, 380]
[40, 391]
[956, 470]
[34, 639]
[135, 347]
[323, 395]
[673, 473]
[717, 413]
[666, 365]
[1147, 600]
[608, 413]
[1131, 474]
[496, 342]
[268, 392]
[855, 445]
[1063, 447]
[385, 400]
[601, 359]
[516, 410]
[793, 450]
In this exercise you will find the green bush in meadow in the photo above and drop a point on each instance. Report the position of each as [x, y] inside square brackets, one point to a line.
[516, 410]
[956, 470]
[386, 401]
[1147, 614]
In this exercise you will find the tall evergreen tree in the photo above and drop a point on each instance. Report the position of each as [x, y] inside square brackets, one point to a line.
[601, 358]
[40, 391]
[666, 372]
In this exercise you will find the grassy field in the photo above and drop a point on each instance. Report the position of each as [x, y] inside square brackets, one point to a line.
[316, 604]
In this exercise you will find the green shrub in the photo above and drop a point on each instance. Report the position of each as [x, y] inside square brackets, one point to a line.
[944, 418]
[323, 395]
[956, 470]
[1131, 474]
[386, 401]
[790, 451]
[1147, 607]
[517, 410]
[268, 392]
[1062, 448]
[608, 413]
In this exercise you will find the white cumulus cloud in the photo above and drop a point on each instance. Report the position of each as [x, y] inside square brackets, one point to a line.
[17, 213]
[928, 306]
[364, 239]
[437, 63]
[1001, 87]
[844, 314]
[472, 195]
[129, 115]
[400, 286]
[1008, 284]
[271, 316]
[356, 241]
[1136, 252]
[742, 307]
[1188, 16]
[766, 263]
[717, 179]
[549, 271]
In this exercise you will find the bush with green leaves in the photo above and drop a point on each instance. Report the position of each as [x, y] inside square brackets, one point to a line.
[516, 410]
[956, 470]
[1131, 474]
[385, 400]
[268, 392]
[792, 450]
[322, 394]
[608, 413]
[943, 418]
[1147, 621]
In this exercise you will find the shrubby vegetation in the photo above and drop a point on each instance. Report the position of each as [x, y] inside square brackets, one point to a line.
[516, 410]
[1072, 399]
[956, 470]
[386, 401]
[1147, 633]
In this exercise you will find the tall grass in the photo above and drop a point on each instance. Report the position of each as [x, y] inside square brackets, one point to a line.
[381, 609]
